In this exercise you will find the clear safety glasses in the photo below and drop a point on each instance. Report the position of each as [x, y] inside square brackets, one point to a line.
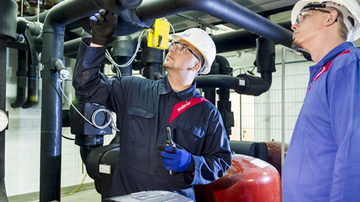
[182, 48]
[304, 14]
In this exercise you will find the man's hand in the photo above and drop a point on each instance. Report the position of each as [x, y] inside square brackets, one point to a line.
[103, 25]
[175, 159]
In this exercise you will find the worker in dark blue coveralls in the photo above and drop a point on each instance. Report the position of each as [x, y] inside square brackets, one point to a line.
[323, 159]
[145, 108]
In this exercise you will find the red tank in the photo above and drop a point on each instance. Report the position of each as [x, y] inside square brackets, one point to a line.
[274, 154]
[248, 179]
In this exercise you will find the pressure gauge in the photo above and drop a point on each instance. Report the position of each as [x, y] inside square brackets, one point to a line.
[4, 120]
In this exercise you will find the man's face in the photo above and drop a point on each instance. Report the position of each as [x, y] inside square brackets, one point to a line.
[182, 56]
[307, 27]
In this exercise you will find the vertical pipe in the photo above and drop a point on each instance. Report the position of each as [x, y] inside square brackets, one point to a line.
[209, 94]
[51, 110]
[3, 196]
[51, 116]
[21, 80]
[283, 109]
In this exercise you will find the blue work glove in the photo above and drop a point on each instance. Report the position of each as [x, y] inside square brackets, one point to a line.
[175, 159]
[103, 26]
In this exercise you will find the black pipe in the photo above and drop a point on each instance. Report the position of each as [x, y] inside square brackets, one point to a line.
[51, 116]
[21, 81]
[71, 46]
[32, 76]
[226, 10]
[224, 105]
[41, 16]
[3, 196]
[23, 27]
[8, 12]
[21, 73]
[122, 51]
[265, 60]
[209, 94]
[152, 60]
[57, 18]
[225, 42]
[242, 84]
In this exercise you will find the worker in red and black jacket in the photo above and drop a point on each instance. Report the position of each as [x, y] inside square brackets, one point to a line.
[146, 108]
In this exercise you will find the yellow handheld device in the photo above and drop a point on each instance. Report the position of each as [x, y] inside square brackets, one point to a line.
[159, 35]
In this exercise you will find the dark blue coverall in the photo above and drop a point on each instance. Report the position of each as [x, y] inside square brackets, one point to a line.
[143, 109]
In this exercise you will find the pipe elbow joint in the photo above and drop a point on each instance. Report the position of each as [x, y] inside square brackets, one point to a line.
[253, 85]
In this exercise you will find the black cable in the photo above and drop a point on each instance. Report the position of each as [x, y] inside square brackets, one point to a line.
[67, 137]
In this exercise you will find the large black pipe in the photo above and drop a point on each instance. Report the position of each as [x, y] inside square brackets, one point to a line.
[226, 10]
[225, 42]
[53, 40]
[8, 12]
[21, 74]
[3, 196]
[32, 72]
[26, 78]
[243, 83]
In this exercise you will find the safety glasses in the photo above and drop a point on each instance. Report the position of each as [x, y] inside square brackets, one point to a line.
[182, 48]
[306, 13]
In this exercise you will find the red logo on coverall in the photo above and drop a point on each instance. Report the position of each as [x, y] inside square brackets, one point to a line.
[326, 68]
[182, 106]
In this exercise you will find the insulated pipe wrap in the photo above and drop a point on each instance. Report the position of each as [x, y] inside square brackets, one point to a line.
[51, 116]
[70, 11]
[8, 10]
[21, 81]
[3, 196]
[225, 10]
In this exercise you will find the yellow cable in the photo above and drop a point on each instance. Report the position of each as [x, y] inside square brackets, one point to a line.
[76, 187]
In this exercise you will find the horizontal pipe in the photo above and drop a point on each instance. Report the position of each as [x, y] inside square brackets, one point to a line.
[226, 10]
[242, 84]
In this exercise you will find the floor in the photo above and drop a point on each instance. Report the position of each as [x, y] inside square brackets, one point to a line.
[89, 195]
[86, 193]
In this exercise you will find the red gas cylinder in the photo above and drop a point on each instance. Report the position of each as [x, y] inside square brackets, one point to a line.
[248, 179]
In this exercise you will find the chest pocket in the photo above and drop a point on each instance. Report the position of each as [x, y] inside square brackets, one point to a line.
[191, 137]
[141, 125]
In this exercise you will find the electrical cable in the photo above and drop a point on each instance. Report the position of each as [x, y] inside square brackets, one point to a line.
[111, 120]
[240, 68]
[75, 188]
[68, 138]
[117, 66]
[108, 55]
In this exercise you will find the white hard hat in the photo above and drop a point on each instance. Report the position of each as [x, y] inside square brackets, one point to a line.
[202, 42]
[349, 9]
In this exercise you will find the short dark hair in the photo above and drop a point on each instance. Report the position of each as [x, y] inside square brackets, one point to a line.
[340, 18]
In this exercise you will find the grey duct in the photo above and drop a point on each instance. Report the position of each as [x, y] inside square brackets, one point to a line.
[51, 117]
